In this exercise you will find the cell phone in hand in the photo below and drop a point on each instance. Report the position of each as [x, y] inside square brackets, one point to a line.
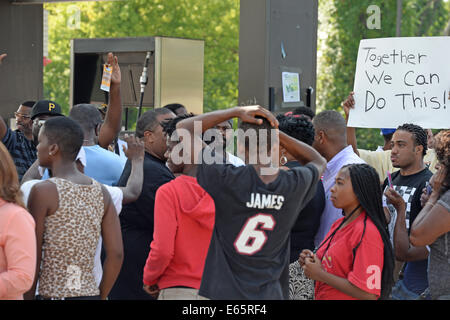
[429, 189]
[389, 180]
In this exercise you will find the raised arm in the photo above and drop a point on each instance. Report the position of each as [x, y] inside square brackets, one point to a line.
[113, 119]
[404, 251]
[303, 152]
[135, 153]
[434, 219]
[211, 119]
[112, 242]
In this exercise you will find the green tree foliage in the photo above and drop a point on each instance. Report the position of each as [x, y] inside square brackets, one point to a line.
[215, 21]
[343, 25]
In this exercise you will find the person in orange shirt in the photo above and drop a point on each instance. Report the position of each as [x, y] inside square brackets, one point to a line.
[17, 235]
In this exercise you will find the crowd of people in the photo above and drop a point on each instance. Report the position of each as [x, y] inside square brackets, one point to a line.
[294, 211]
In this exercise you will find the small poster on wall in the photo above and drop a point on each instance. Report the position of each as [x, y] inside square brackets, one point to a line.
[291, 86]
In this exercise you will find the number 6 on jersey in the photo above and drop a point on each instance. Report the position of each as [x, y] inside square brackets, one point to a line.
[250, 231]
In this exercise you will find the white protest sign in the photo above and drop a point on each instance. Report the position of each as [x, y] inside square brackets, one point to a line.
[402, 80]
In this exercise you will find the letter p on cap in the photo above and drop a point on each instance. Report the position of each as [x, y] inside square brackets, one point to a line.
[51, 106]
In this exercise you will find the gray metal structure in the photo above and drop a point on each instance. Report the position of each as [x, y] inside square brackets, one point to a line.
[175, 70]
[277, 36]
[21, 38]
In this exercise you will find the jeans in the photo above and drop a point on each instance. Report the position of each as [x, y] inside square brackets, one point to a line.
[400, 292]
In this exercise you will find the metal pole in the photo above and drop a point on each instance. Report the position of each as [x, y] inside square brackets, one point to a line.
[399, 18]
[143, 80]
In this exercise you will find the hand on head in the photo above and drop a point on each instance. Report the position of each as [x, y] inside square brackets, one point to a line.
[249, 114]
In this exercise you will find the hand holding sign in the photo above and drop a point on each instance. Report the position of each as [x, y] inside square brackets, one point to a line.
[348, 104]
[401, 80]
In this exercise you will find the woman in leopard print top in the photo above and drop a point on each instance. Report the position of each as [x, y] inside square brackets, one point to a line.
[71, 211]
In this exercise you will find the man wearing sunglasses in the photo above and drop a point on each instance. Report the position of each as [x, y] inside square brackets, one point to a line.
[20, 142]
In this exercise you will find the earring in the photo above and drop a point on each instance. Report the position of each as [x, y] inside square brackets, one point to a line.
[283, 160]
[50, 154]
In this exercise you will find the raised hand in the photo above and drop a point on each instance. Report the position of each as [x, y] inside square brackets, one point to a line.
[116, 76]
[395, 199]
[135, 149]
[348, 104]
[2, 56]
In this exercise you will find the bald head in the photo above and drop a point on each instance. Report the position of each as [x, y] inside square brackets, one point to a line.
[332, 123]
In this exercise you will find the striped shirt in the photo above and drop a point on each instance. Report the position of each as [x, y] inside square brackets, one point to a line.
[22, 150]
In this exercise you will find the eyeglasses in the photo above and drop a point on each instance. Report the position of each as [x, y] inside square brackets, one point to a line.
[21, 115]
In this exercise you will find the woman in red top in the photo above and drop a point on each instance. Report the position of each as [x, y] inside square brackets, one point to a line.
[355, 261]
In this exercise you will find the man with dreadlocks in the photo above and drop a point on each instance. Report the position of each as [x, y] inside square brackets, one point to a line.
[409, 145]
[381, 159]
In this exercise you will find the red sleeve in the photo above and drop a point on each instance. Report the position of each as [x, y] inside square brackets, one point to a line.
[162, 246]
[368, 265]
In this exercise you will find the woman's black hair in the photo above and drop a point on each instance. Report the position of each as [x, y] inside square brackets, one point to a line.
[297, 127]
[65, 132]
[366, 186]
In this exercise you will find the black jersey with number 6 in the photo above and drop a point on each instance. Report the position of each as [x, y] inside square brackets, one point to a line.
[248, 257]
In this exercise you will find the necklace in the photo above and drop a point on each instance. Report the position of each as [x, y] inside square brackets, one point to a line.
[331, 236]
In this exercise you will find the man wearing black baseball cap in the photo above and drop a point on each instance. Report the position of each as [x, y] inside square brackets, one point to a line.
[45, 108]
[42, 110]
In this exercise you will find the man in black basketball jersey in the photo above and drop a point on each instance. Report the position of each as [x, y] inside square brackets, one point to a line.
[256, 206]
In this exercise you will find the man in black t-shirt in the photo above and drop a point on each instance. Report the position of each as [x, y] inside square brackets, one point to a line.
[409, 145]
[256, 207]
[136, 218]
